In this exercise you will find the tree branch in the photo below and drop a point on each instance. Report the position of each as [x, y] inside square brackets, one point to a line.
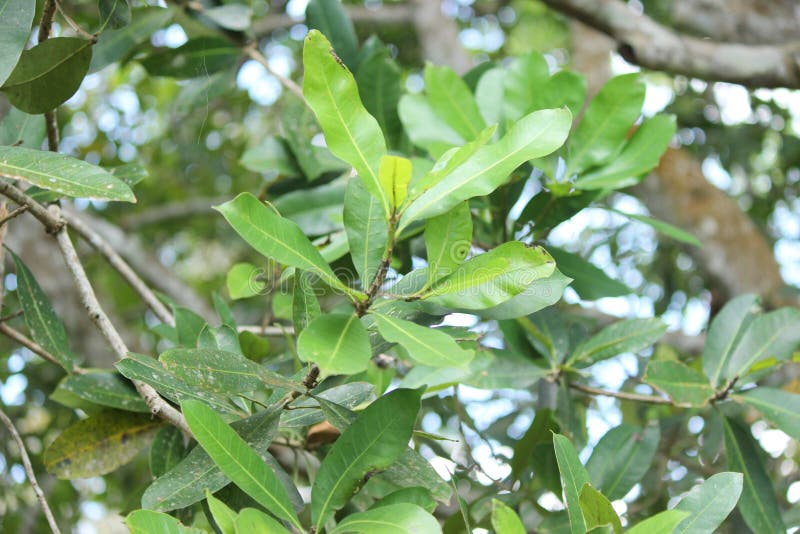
[45, 28]
[172, 210]
[387, 14]
[649, 399]
[32, 346]
[645, 42]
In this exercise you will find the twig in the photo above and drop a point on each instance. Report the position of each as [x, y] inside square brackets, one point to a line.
[8, 216]
[26, 462]
[3, 229]
[51, 223]
[174, 210]
[74, 25]
[276, 331]
[32, 346]
[650, 399]
[254, 53]
[45, 28]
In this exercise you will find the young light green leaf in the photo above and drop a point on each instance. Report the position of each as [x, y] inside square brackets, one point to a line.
[533, 136]
[62, 174]
[775, 334]
[252, 521]
[200, 56]
[48, 74]
[573, 477]
[448, 240]
[597, 510]
[166, 451]
[243, 281]
[505, 519]
[377, 438]
[724, 333]
[682, 383]
[622, 457]
[336, 343]
[149, 522]
[330, 18]
[100, 444]
[276, 237]
[352, 134]
[115, 45]
[661, 523]
[15, 27]
[394, 174]
[540, 294]
[238, 460]
[709, 504]
[639, 156]
[223, 516]
[630, 335]
[452, 100]
[305, 306]
[424, 127]
[402, 518]
[115, 13]
[105, 388]
[427, 346]
[366, 228]
[492, 277]
[757, 505]
[779, 407]
[588, 281]
[605, 123]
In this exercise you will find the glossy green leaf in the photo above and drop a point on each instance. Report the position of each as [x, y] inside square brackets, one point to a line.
[243, 281]
[201, 56]
[330, 18]
[537, 445]
[21, 129]
[492, 277]
[394, 174]
[62, 174]
[105, 388]
[305, 306]
[130, 173]
[630, 335]
[377, 438]
[252, 521]
[299, 128]
[114, 13]
[403, 518]
[452, 100]
[213, 370]
[533, 136]
[380, 86]
[597, 510]
[44, 326]
[564, 88]
[590, 282]
[503, 369]
[411, 469]
[116, 45]
[424, 127]
[771, 335]
[188, 326]
[336, 343]
[184, 484]
[757, 504]
[238, 460]
[412, 495]
[149, 522]
[623, 457]
[573, 477]
[351, 133]
[524, 77]
[709, 504]
[682, 383]
[15, 28]
[540, 294]
[307, 411]
[606, 122]
[724, 334]
[234, 17]
[639, 156]
[276, 237]
[223, 338]
[489, 85]
[661, 523]
[425, 345]
[48, 74]
[167, 450]
[367, 230]
[505, 520]
[448, 240]
[223, 516]
[779, 407]
[100, 444]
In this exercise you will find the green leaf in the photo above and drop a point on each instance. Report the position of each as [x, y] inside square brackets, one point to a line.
[412, 495]
[779, 407]
[709, 504]
[489, 85]
[589, 282]
[505, 520]
[336, 343]
[630, 335]
[15, 27]
[533, 136]
[757, 505]
[166, 451]
[452, 100]
[308, 411]
[234, 17]
[411, 469]
[377, 438]
[243, 281]
[661, 523]
[597, 510]
[664, 228]
[201, 56]
[606, 122]
[424, 127]
[573, 477]
[115, 13]
[100, 444]
[540, 294]
[425, 345]
[394, 173]
[238, 460]
[305, 306]
[380, 86]
[148, 522]
[48, 74]
[492, 278]
[367, 230]
[640, 155]
[682, 383]
[213, 370]
[725, 333]
[252, 521]
[537, 445]
[771, 335]
[503, 369]
[105, 388]
[352, 134]
[402, 518]
[44, 326]
[115, 45]
[448, 240]
[564, 88]
[184, 484]
[224, 517]
[63, 174]
[269, 156]
[330, 18]
[276, 237]
[622, 458]
[188, 326]
[130, 173]
[524, 77]
[21, 129]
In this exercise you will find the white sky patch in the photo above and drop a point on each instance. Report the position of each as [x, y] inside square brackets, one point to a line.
[733, 101]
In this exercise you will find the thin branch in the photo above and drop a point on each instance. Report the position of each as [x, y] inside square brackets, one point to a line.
[45, 28]
[32, 346]
[649, 399]
[8, 216]
[51, 223]
[173, 210]
[26, 462]
[254, 53]
[74, 25]
[643, 41]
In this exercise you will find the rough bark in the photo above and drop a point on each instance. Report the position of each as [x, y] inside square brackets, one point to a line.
[744, 21]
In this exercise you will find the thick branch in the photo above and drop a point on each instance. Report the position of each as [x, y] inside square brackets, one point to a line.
[386, 14]
[645, 42]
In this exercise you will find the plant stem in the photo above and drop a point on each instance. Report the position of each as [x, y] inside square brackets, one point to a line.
[649, 399]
